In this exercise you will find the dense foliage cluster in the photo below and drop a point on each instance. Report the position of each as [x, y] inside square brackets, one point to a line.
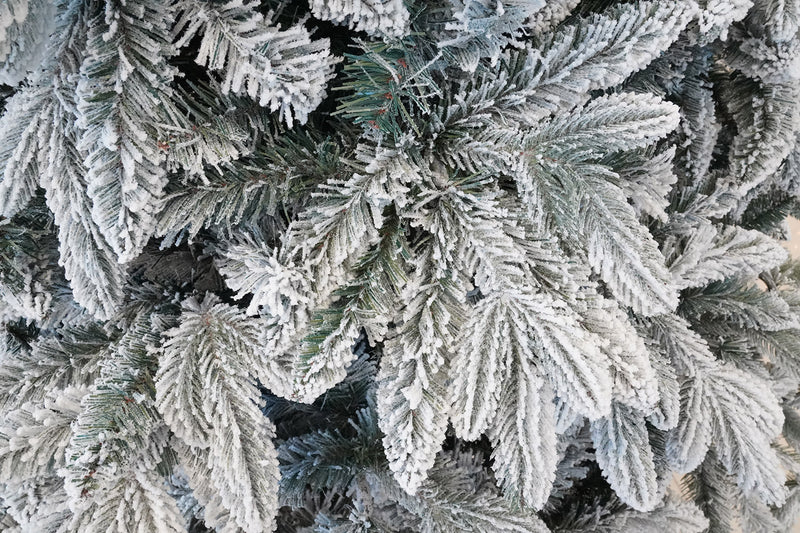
[346, 266]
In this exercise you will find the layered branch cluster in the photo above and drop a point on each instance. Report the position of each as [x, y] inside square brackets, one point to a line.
[391, 265]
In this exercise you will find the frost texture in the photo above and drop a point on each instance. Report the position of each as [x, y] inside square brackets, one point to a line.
[19, 146]
[119, 103]
[624, 454]
[247, 288]
[712, 254]
[611, 47]
[388, 18]
[24, 28]
[225, 434]
[282, 69]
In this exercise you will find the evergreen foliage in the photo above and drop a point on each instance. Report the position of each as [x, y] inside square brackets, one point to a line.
[399, 265]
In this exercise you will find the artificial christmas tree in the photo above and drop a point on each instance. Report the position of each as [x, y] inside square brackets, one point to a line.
[384, 265]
